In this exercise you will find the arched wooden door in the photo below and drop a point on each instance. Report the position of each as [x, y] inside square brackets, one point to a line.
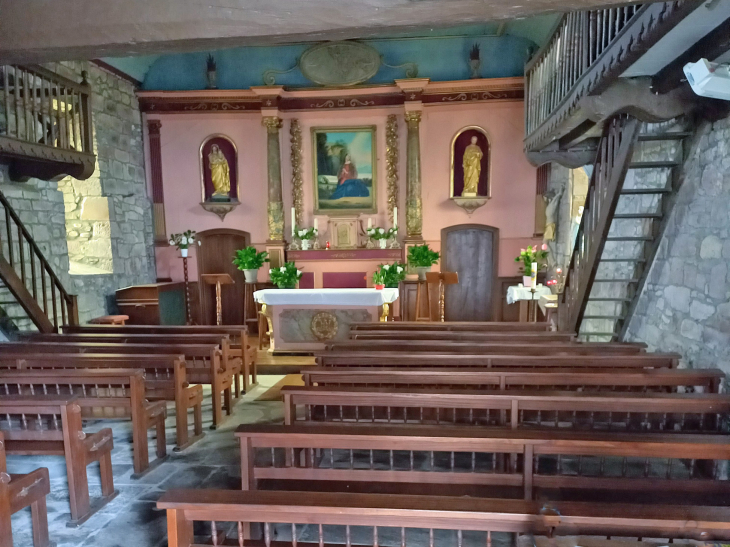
[472, 250]
[215, 255]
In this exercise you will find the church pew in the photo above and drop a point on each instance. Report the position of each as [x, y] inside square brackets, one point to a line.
[662, 380]
[47, 425]
[518, 348]
[480, 517]
[463, 336]
[542, 362]
[617, 411]
[165, 380]
[202, 361]
[237, 333]
[474, 326]
[230, 357]
[102, 394]
[456, 461]
[18, 492]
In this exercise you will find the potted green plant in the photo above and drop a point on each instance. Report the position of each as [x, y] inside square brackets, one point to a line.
[381, 235]
[422, 258]
[306, 235]
[183, 241]
[379, 279]
[286, 276]
[250, 260]
[528, 257]
[393, 274]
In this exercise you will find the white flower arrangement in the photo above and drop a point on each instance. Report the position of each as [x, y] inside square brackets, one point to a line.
[381, 233]
[183, 240]
[307, 233]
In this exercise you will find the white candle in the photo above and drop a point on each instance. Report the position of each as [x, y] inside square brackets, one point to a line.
[315, 224]
[370, 222]
[533, 274]
[293, 220]
[395, 216]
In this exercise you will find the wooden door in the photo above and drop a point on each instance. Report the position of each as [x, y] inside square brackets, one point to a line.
[471, 250]
[215, 255]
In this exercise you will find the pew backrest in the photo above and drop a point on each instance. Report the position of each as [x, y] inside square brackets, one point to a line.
[456, 326]
[448, 346]
[523, 337]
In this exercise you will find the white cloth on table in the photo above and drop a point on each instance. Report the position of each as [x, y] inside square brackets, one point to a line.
[326, 297]
[520, 292]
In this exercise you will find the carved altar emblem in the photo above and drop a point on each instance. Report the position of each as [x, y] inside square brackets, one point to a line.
[324, 326]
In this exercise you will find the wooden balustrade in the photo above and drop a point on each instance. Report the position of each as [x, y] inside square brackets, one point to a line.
[47, 118]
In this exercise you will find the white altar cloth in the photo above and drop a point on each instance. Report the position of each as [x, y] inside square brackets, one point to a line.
[326, 297]
[520, 292]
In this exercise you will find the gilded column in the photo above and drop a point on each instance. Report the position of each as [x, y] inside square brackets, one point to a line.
[414, 211]
[273, 153]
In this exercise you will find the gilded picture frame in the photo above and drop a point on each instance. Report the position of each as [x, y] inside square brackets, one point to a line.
[344, 170]
[456, 177]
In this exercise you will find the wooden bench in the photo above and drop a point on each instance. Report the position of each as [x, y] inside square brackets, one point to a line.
[40, 425]
[542, 362]
[237, 333]
[465, 460]
[165, 380]
[706, 413]
[102, 394]
[527, 337]
[662, 379]
[480, 517]
[486, 348]
[203, 362]
[18, 492]
[474, 326]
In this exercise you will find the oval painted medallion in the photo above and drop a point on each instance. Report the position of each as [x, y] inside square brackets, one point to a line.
[340, 63]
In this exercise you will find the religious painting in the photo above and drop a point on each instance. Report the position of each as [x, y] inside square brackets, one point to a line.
[344, 170]
[219, 169]
[470, 163]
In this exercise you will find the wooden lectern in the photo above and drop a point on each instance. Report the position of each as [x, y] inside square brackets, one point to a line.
[217, 280]
[443, 279]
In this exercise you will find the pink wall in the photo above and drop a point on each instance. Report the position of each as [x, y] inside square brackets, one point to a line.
[511, 208]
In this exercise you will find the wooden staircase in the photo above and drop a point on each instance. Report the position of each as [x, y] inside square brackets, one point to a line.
[29, 284]
[633, 185]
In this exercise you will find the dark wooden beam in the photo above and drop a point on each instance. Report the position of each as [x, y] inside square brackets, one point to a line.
[710, 47]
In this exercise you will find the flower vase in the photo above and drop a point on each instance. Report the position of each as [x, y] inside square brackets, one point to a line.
[383, 243]
[251, 276]
[305, 244]
[526, 281]
[379, 287]
[422, 272]
[184, 253]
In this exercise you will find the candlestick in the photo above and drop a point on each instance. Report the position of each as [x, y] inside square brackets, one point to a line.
[315, 225]
[395, 216]
[293, 221]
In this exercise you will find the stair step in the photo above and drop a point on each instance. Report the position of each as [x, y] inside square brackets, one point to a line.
[653, 164]
[671, 136]
[611, 280]
[644, 191]
[630, 238]
[638, 215]
[602, 299]
[623, 260]
[603, 317]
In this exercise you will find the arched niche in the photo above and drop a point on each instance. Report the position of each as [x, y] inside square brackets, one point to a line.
[230, 152]
[459, 143]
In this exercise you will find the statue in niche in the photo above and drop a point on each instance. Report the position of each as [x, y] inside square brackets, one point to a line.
[472, 164]
[220, 173]
[552, 199]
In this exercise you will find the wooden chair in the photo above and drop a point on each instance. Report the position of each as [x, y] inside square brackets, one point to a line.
[102, 394]
[165, 380]
[481, 517]
[41, 425]
[18, 492]
[463, 461]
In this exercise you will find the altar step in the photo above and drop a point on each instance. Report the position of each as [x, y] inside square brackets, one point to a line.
[644, 205]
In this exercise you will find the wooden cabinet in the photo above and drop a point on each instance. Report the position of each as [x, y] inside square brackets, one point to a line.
[154, 303]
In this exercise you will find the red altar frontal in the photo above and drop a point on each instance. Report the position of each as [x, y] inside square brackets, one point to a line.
[341, 268]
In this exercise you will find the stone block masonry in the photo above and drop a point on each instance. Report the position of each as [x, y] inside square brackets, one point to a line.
[97, 233]
[685, 303]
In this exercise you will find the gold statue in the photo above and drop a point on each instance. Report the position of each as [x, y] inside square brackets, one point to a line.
[472, 168]
[220, 173]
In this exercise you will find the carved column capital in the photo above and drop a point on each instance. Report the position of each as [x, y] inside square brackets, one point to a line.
[153, 127]
[413, 119]
[271, 123]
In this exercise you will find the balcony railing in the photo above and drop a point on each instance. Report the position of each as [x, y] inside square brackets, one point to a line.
[588, 50]
[45, 123]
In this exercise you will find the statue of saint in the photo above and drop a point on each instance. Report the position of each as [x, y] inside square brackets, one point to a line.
[220, 173]
[472, 168]
[552, 200]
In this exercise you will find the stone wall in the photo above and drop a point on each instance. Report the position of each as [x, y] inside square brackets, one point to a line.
[684, 304]
[103, 224]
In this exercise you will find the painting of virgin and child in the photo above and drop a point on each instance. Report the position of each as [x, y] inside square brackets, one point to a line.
[344, 170]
